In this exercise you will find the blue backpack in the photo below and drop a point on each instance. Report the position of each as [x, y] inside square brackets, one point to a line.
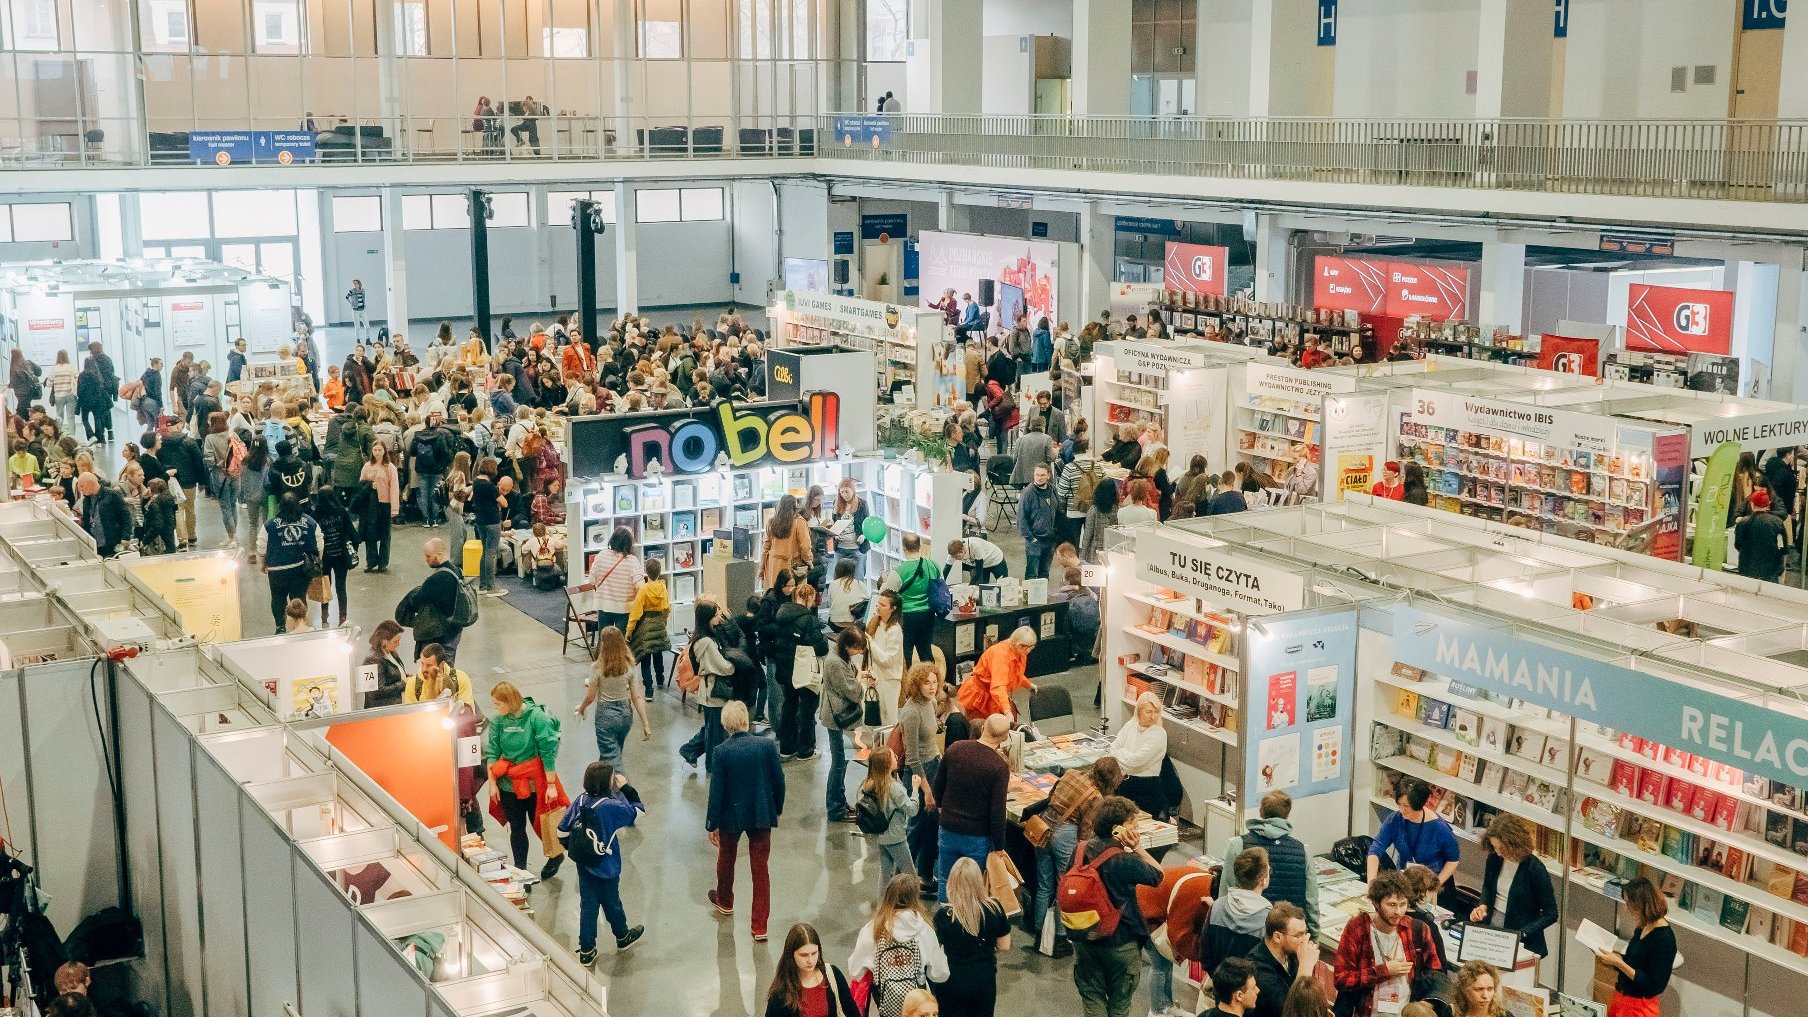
[940, 598]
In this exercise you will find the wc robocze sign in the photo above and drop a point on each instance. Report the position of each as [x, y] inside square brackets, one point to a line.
[1731, 731]
[1225, 580]
[686, 442]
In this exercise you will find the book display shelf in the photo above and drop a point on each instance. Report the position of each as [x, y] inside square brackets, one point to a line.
[1560, 488]
[911, 498]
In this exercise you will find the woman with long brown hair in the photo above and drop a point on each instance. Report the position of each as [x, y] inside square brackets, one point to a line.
[1644, 969]
[1516, 887]
[803, 983]
[899, 924]
[1477, 992]
[787, 541]
[611, 686]
[885, 653]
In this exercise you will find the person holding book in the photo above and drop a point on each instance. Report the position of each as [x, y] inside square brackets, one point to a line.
[1415, 834]
[1516, 887]
[1644, 967]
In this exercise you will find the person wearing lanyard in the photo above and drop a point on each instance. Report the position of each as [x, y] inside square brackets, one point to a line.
[1644, 969]
[1415, 834]
[1380, 956]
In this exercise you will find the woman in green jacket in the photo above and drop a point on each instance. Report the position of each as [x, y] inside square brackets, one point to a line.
[521, 749]
[352, 450]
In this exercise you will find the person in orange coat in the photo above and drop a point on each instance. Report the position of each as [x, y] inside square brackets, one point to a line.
[334, 389]
[1178, 903]
[1001, 670]
[577, 360]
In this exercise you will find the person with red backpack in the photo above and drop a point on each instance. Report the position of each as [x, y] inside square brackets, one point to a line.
[1097, 901]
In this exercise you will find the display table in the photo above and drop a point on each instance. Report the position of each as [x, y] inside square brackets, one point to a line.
[963, 637]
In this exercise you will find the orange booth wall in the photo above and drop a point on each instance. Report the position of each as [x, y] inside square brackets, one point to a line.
[410, 756]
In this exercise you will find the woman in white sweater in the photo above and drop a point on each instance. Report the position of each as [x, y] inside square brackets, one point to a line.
[1140, 747]
[899, 921]
[885, 653]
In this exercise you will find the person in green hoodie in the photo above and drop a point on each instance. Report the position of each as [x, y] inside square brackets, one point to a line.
[352, 450]
[1290, 872]
[521, 749]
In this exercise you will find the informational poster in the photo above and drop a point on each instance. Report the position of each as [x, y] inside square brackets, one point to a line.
[958, 261]
[1349, 284]
[188, 322]
[46, 324]
[267, 317]
[1670, 473]
[1437, 291]
[1228, 581]
[1302, 668]
[202, 589]
[1199, 269]
[1679, 321]
[1354, 473]
[1568, 354]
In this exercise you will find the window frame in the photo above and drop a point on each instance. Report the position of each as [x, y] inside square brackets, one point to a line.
[65, 235]
[684, 204]
[356, 201]
[899, 17]
[640, 205]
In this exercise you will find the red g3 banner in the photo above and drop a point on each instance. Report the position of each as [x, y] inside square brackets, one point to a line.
[1568, 354]
[1349, 284]
[1669, 319]
[1196, 268]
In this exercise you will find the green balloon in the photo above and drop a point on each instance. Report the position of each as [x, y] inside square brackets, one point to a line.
[874, 529]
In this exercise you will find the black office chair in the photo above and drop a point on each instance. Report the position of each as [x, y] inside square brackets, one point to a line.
[1052, 703]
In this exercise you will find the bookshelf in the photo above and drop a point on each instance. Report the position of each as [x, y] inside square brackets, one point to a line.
[1729, 849]
[910, 497]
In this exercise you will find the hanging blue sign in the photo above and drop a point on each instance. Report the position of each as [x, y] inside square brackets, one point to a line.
[1737, 732]
[1559, 19]
[1301, 692]
[223, 148]
[1147, 227]
[1764, 15]
[910, 262]
[844, 242]
[1327, 22]
[283, 147]
[895, 226]
[870, 129]
[1039, 231]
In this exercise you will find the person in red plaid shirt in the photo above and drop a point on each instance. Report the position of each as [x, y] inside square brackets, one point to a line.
[1380, 956]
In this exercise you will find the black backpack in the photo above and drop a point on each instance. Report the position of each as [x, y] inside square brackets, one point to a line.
[869, 815]
[584, 841]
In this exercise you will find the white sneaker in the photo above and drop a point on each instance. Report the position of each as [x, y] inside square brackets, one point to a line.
[495, 592]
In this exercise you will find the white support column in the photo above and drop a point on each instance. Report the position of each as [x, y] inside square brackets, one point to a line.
[1098, 258]
[395, 275]
[1101, 58]
[389, 78]
[623, 62]
[1788, 364]
[627, 258]
[1513, 62]
[955, 58]
[1271, 259]
[1502, 302]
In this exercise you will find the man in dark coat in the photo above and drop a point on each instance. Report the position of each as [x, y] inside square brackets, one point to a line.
[746, 796]
[104, 514]
[1759, 538]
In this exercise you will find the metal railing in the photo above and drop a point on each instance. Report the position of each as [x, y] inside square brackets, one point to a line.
[1730, 160]
[1737, 160]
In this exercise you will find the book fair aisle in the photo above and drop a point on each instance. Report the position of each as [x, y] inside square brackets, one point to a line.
[1643, 716]
[256, 761]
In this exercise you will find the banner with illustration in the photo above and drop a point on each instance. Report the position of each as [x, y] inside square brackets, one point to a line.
[958, 261]
[1301, 692]
[1709, 551]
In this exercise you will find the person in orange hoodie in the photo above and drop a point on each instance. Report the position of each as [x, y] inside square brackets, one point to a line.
[1001, 670]
[1173, 910]
[334, 389]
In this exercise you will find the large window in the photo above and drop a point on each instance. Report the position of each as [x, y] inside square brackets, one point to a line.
[174, 215]
[44, 222]
[276, 25]
[887, 29]
[34, 25]
[660, 29]
[411, 28]
[254, 213]
[509, 209]
[453, 211]
[565, 43]
[163, 26]
[558, 205]
[357, 213]
[691, 204]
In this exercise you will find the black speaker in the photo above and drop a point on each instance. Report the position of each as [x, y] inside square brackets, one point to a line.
[988, 293]
[841, 272]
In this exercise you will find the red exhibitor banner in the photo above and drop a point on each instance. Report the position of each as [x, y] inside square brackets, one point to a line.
[1196, 268]
[1440, 292]
[1349, 284]
[1568, 354]
[1669, 319]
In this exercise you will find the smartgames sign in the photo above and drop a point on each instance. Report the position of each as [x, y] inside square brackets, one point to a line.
[701, 439]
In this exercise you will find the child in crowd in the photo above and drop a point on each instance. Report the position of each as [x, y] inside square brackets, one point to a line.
[647, 616]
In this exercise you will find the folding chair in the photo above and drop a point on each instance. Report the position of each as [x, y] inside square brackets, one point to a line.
[1001, 500]
[584, 620]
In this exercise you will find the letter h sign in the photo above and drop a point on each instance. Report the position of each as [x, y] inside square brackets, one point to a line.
[1327, 22]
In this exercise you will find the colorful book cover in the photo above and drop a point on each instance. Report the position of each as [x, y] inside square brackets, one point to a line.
[1697, 765]
[1799, 893]
[1776, 829]
[1466, 726]
[1468, 770]
[1593, 766]
[1646, 834]
[1703, 804]
[1556, 752]
[1601, 817]
[1623, 778]
[1798, 940]
[1652, 787]
[1494, 734]
[1707, 904]
[1283, 700]
[1737, 864]
[1433, 713]
[1406, 704]
[1676, 757]
[1734, 913]
[1677, 845]
[1729, 813]
[1527, 744]
[1449, 761]
[1680, 794]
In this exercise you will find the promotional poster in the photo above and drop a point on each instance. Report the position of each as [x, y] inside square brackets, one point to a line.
[1303, 668]
[958, 261]
[1670, 319]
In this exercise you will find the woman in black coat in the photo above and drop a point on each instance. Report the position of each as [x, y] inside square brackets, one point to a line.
[386, 656]
[337, 538]
[1527, 904]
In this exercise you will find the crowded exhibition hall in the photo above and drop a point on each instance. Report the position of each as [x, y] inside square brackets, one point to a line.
[903, 508]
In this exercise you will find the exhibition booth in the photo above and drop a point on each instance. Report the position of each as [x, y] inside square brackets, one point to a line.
[139, 308]
[1005, 275]
[1644, 716]
[913, 359]
[285, 854]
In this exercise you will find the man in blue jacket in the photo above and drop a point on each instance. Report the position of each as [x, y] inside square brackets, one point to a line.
[1036, 521]
[746, 796]
[613, 805]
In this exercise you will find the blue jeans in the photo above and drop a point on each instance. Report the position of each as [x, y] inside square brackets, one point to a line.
[596, 892]
[1036, 556]
[1052, 861]
[429, 488]
[1161, 980]
[227, 490]
[614, 720]
[491, 535]
[773, 695]
[858, 559]
[837, 803]
[951, 847]
[706, 739]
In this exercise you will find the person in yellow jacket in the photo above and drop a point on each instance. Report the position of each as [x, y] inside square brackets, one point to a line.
[1001, 670]
[437, 677]
[647, 624]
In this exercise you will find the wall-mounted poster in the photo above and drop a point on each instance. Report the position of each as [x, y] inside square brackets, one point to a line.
[1303, 667]
[958, 261]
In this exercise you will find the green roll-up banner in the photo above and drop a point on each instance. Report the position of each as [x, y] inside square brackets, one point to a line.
[1709, 551]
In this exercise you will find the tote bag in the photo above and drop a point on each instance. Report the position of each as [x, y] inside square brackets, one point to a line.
[806, 671]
